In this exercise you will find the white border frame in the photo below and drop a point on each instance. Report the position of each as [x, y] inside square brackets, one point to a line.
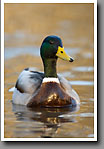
[95, 70]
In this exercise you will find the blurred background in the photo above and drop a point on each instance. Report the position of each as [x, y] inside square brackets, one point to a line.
[26, 25]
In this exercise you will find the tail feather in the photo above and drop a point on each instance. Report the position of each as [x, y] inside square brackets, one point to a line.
[11, 89]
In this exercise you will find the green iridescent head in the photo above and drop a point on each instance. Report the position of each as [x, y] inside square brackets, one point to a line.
[49, 47]
[50, 50]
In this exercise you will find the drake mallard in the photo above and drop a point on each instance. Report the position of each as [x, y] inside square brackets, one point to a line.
[47, 89]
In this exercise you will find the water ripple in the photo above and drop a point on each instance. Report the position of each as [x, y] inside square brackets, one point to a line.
[14, 51]
[83, 68]
[78, 82]
[77, 115]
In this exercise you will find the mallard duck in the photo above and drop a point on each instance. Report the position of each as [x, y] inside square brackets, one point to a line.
[47, 89]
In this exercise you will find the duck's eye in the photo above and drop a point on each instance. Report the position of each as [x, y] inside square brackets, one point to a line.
[51, 42]
[61, 51]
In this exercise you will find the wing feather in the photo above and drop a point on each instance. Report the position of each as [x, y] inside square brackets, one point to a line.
[67, 87]
[29, 81]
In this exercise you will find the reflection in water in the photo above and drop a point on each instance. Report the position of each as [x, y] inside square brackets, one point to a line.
[50, 118]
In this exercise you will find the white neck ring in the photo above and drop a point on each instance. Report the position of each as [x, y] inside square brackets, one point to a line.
[50, 80]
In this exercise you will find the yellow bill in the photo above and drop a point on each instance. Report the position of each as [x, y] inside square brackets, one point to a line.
[61, 54]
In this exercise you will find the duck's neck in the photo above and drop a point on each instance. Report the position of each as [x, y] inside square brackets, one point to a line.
[50, 68]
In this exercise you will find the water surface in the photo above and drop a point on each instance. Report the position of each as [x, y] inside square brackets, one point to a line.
[23, 37]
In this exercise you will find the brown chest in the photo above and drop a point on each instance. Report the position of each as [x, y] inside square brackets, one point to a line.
[51, 94]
